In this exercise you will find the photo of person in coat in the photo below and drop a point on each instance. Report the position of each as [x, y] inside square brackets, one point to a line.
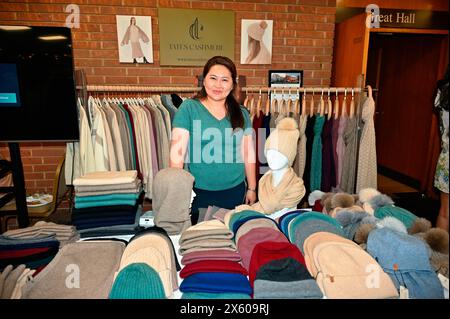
[133, 34]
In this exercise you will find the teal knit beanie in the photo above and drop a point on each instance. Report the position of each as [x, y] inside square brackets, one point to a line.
[137, 281]
[405, 216]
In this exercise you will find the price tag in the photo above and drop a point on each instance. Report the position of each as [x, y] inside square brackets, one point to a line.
[404, 293]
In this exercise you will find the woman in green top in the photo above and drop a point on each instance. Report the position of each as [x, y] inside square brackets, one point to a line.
[216, 133]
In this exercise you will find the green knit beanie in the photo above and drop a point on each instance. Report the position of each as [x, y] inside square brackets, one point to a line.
[405, 216]
[137, 281]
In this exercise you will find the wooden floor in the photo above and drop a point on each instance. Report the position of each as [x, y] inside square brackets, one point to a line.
[389, 186]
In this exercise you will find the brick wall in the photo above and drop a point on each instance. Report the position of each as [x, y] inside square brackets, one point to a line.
[302, 39]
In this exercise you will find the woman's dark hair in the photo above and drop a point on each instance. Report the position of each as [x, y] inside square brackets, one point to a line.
[442, 86]
[232, 105]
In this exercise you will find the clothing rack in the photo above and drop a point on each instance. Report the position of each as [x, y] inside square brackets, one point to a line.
[289, 91]
[133, 88]
[304, 89]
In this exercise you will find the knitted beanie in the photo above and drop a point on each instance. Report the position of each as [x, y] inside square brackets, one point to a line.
[267, 251]
[241, 217]
[301, 289]
[284, 139]
[211, 254]
[247, 242]
[208, 266]
[256, 30]
[283, 270]
[254, 223]
[216, 282]
[298, 220]
[172, 190]
[213, 295]
[405, 216]
[137, 281]
[312, 226]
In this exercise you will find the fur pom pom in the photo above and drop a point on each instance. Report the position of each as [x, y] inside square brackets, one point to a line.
[362, 234]
[380, 201]
[421, 225]
[344, 217]
[437, 239]
[342, 200]
[366, 194]
[288, 123]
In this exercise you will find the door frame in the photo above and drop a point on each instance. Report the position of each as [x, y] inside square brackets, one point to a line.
[427, 179]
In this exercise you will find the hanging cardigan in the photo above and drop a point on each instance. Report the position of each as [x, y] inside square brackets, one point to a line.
[340, 147]
[300, 160]
[367, 156]
[328, 172]
[316, 160]
[349, 163]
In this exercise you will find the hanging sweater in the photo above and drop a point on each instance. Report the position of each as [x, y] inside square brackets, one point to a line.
[367, 156]
[349, 163]
[316, 160]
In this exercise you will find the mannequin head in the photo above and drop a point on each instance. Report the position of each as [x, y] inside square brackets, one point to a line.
[276, 160]
[284, 139]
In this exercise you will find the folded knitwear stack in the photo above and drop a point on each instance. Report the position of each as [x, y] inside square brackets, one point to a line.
[275, 266]
[106, 199]
[65, 234]
[211, 263]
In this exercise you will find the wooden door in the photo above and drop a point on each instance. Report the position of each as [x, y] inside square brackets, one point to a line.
[350, 51]
[407, 67]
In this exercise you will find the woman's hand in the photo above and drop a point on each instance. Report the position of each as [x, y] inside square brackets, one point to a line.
[250, 197]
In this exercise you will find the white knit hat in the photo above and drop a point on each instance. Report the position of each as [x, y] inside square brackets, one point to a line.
[284, 139]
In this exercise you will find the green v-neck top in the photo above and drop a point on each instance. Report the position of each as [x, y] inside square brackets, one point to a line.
[214, 152]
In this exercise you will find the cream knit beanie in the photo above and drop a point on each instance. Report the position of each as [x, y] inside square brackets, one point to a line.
[256, 30]
[284, 139]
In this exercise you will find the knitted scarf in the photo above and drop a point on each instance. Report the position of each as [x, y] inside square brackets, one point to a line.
[288, 193]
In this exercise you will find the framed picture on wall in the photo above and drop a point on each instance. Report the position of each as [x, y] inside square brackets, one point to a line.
[256, 41]
[134, 37]
[286, 78]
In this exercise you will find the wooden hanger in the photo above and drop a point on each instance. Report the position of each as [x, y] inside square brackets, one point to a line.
[344, 104]
[281, 103]
[289, 104]
[297, 104]
[267, 109]
[352, 105]
[258, 107]
[246, 100]
[252, 106]
[304, 103]
[330, 106]
[322, 105]
[273, 105]
[336, 106]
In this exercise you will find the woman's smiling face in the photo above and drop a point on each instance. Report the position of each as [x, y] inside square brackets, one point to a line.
[218, 82]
